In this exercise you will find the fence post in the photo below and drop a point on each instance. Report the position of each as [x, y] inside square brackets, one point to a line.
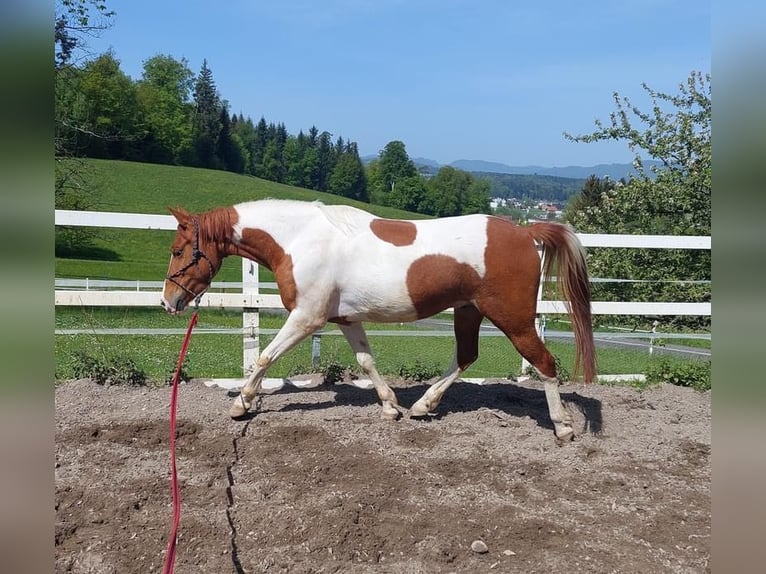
[250, 318]
[651, 339]
[316, 350]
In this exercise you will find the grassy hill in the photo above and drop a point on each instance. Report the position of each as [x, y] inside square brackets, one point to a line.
[149, 188]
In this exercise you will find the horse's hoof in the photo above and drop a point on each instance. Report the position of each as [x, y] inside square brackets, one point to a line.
[419, 409]
[565, 435]
[389, 414]
[239, 408]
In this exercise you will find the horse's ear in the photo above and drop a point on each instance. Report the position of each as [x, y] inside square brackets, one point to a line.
[181, 215]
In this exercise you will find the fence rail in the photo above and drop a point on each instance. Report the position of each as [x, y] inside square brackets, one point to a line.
[246, 295]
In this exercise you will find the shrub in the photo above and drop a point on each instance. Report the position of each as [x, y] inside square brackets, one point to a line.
[419, 371]
[108, 370]
[693, 374]
[562, 373]
[332, 370]
[183, 374]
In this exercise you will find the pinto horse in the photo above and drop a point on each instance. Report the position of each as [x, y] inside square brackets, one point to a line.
[343, 265]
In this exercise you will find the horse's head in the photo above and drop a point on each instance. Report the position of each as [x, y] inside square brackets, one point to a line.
[194, 260]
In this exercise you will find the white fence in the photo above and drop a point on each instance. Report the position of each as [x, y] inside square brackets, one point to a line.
[90, 293]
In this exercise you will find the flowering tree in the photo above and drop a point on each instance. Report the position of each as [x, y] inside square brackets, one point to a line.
[671, 197]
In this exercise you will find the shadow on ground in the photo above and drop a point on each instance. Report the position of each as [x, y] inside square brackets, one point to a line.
[506, 397]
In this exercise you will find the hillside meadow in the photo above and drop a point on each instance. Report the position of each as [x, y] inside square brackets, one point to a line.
[133, 187]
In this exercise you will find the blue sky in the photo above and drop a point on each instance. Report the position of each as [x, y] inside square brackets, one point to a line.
[497, 80]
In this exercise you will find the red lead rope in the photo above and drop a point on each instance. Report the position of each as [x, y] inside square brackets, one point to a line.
[170, 555]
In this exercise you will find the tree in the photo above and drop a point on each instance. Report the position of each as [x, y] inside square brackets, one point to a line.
[407, 193]
[228, 147]
[679, 138]
[206, 127]
[590, 196]
[347, 178]
[257, 147]
[325, 161]
[395, 164]
[244, 130]
[108, 113]
[478, 197]
[375, 187]
[455, 192]
[271, 168]
[445, 191]
[673, 198]
[393, 168]
[164, 97]
[295, 149]
[74, 21]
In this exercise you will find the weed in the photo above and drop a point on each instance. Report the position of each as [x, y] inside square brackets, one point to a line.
[108, 371]
[419, 371]
[693, 374]
[183, 373]
[332, 370]
[562, 373]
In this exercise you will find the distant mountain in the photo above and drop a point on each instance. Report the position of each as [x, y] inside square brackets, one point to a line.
[615, 171]
[487, 166]
[424, 161]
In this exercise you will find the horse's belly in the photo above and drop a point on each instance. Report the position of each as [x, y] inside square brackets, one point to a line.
[380, 306]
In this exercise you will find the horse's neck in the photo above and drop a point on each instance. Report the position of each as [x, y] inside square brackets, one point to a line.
[264, 228]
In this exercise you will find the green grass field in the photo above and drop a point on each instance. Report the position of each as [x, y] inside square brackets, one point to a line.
[216, 355]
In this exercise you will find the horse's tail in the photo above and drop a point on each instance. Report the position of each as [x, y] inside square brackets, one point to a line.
[564, 256]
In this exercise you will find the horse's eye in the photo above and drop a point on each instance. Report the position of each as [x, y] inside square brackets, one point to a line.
[177, 252]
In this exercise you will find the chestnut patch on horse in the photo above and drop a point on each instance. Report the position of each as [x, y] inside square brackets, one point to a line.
[513, 265]
[436, 282]
[260, 246]
[513, 272]
[393, 231]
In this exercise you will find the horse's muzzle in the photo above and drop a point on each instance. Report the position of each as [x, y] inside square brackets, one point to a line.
[173, 309]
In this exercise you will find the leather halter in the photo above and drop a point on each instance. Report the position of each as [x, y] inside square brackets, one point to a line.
[197, 255]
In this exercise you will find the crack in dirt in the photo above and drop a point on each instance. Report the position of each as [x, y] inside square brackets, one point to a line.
[230, 501]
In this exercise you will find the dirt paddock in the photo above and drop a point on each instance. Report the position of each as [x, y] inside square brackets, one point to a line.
[317, 482]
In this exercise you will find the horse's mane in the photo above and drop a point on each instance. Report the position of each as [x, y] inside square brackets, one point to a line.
[217, 225]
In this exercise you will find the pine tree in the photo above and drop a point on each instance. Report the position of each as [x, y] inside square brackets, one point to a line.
[326, 161]
[258, 147]
[228, 149]
[207, 119]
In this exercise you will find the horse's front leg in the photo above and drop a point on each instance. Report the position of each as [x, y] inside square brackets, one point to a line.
[297, 327]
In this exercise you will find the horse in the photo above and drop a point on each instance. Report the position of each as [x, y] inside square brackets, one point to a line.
[340, 264]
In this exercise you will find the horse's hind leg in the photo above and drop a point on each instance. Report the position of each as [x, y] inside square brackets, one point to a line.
[531, 347]
[467, 322]
[357, 338]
